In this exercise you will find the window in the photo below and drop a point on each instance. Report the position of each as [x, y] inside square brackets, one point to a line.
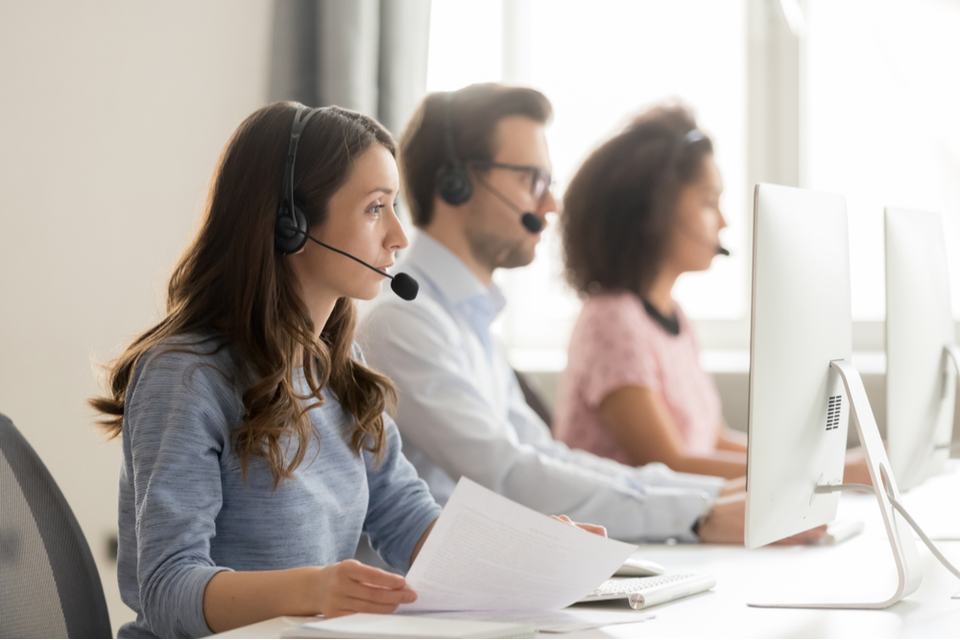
[857, 97]
[883, 94]
[600, 63]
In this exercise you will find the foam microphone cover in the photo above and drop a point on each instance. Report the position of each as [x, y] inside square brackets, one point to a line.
[405, 286]
[532, 223]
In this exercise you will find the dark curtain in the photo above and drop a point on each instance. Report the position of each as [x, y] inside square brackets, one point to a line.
[365, 55]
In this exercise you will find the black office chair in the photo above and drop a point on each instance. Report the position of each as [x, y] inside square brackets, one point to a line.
[49, 584]
[534, 399]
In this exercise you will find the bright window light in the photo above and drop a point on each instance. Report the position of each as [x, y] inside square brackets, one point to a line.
[600, 63]
[883, 94]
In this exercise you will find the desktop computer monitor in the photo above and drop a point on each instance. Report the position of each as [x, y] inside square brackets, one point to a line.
[803, 388]
[921, 379]
[798, 413]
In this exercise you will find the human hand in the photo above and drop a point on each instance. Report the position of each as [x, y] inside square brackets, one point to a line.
[855, 468]
[351, 587]
[590, 528]
[731, 487]
[726, 524]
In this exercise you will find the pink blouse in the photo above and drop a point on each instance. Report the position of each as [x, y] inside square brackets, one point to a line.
[616, 344]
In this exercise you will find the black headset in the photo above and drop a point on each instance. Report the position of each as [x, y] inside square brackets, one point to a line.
[452, 180]
[290, 230]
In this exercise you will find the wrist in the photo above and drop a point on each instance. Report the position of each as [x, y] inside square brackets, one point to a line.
[308, 587]
[698, 524]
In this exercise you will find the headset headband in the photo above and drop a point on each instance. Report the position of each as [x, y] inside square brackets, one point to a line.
[448, 130]
[296, 130]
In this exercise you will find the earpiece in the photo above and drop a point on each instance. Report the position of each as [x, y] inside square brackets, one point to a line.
[291, 232]
[452, 181]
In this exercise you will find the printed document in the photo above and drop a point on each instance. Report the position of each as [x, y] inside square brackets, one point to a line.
[488, 553]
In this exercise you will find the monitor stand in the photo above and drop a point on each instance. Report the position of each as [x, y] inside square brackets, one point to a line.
[909, 570]
[951, 353]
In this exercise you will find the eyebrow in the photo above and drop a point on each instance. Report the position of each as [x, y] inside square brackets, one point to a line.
[385, 190]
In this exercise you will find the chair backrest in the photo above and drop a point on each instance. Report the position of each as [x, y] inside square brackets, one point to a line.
[534, 399]
[49, 584]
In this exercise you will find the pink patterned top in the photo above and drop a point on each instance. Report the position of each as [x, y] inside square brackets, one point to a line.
[616, 344]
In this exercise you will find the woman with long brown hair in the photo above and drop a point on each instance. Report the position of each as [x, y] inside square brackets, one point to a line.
[256, 446]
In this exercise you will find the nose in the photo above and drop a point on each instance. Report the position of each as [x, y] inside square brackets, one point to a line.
[723, 220]
[549, 204]
[395, 239]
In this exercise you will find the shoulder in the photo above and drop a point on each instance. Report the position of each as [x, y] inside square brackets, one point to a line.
[621, 304]
[388, 319]
[202, 366]
[614, 312]
[188, 353]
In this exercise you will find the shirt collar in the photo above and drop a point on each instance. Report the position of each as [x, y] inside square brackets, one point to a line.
[448, 273]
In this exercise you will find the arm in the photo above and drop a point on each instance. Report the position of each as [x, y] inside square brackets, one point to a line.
[731, 440]
[400, 511]
[173, 436]
[639, 421]
[235, 599]
[725, 524]
[445, 414]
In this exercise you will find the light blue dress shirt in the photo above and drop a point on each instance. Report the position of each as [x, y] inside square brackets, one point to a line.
[461, 412]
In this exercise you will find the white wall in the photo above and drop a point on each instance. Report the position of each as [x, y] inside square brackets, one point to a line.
[112, 115]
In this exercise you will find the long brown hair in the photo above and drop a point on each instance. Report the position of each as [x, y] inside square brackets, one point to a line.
[232, 283]
[618, 211]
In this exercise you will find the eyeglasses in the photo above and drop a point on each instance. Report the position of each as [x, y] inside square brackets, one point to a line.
[540, 180]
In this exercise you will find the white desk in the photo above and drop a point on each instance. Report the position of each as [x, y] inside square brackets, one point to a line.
[859, 563]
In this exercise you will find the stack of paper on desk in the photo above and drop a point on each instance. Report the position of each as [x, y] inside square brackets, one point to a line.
[371, 625]
[489, 553]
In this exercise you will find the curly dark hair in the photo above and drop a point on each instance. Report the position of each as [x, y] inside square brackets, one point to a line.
[618, 210]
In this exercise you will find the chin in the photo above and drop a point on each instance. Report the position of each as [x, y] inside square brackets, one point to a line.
[521, 256]
[367, 293]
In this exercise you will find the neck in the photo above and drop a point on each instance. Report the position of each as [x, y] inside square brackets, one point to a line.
[320, 308]
[660, 293]
[444, 230]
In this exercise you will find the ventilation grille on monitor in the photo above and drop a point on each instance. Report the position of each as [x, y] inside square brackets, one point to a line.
[833, 413]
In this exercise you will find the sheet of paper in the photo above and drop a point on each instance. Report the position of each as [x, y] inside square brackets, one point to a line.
[489, 553]
[563, 621]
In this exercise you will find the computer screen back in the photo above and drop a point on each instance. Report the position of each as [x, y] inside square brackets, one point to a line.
[800, 321]
[921, 388]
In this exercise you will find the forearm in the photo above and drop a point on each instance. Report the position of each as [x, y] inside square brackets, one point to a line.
[730, 440]
[233, 599]
[724, 464]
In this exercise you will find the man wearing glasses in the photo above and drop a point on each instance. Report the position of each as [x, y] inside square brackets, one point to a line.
[476, 172]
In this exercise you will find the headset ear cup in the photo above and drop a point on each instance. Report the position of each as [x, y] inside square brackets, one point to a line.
[453, 184]
[290, 232]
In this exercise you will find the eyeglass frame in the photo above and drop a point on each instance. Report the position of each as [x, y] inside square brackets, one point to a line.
[536, 172]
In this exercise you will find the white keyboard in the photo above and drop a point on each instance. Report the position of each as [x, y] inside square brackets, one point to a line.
[646, 592]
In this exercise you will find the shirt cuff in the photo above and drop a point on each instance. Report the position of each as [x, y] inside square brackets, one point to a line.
[194, 622]
[671, 514]
[660, 475]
